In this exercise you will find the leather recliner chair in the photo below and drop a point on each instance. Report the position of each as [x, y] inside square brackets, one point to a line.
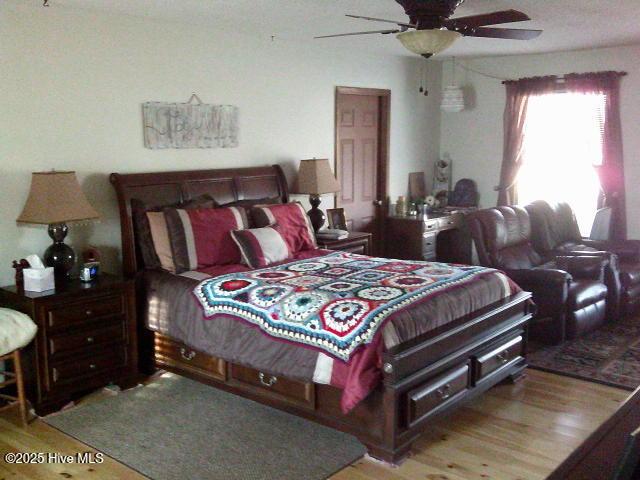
[555, 232]
[568, 291]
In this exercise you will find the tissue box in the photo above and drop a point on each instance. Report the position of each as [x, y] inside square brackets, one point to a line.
[38, 279]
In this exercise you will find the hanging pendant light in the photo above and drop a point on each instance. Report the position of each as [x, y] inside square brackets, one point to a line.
[452, 96]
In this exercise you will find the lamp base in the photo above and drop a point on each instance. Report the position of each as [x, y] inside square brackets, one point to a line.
[59, 255]
[315, 214]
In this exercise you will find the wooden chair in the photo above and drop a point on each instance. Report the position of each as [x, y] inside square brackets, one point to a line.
[14, 378]
[16, 331]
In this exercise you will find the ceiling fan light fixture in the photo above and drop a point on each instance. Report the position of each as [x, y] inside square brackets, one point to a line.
[428, 42]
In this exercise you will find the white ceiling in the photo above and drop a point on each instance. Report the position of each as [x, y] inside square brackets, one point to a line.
[567, 24]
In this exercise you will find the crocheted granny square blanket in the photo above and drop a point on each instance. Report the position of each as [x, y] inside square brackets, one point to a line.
[334, 303]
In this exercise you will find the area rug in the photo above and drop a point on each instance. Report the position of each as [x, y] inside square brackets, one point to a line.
[176, 428]
[609, 355]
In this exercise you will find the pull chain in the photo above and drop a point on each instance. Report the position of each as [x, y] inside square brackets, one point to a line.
[423, 75]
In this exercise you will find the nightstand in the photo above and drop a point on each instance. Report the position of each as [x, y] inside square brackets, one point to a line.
[356, 242]
[86, 338]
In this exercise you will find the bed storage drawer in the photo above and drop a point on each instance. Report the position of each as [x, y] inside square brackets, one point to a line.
[435, 394]
[171, 352]
[295, 391]
[497, 357]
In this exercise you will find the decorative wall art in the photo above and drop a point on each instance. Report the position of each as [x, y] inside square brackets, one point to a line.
[442, 179]
[190, 125]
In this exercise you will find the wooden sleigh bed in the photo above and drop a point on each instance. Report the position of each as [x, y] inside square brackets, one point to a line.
[423, 378]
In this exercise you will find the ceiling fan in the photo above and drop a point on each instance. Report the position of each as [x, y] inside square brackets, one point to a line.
[430, 30]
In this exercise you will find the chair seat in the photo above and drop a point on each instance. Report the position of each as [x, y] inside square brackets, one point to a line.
[16, 330]
[585, 292]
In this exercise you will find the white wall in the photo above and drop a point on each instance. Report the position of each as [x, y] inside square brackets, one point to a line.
[474, 137]
[73, 83]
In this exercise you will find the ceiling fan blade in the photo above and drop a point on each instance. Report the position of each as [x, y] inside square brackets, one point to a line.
[402, 24]
[384, 32]
[494, 18]
[508, 33]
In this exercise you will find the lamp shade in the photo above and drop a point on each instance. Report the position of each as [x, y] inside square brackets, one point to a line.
[315, 177]
[427, 42]
[56, 197]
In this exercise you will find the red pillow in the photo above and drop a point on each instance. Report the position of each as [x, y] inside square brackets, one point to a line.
[201, 237]
[293, 221]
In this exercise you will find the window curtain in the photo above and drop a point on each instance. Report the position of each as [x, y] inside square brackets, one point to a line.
[518, 94]
[611, 172]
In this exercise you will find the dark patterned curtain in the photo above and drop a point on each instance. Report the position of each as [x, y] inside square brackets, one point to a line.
[515, 112]
[611, 172]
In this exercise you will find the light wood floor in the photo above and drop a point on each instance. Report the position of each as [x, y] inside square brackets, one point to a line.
[513, 432]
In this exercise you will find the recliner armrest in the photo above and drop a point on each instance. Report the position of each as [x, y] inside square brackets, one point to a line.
[550, 287]
[625, 249]
[583, 266]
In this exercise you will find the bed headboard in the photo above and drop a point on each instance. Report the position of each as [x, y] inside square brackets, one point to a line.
[165, 188]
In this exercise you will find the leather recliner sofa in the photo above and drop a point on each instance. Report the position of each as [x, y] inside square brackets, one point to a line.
[555, 232]
[568, 290]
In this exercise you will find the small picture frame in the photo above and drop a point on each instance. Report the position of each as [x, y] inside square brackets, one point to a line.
[337, 218]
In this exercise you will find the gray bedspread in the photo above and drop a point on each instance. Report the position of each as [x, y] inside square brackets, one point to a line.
[173, 310]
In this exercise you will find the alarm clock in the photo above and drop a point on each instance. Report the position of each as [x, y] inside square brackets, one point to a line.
[89, 271]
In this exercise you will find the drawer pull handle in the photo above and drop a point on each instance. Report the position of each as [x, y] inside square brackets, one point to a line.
[92, 366]
[444, 392]
[267, 383]
[89, 339]
[187, 355]
[89, 313]
[503, 356]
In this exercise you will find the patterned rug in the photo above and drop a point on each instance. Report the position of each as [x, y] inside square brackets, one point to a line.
[609, 355]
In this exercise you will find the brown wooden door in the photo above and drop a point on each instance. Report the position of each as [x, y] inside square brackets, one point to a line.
[361, 151]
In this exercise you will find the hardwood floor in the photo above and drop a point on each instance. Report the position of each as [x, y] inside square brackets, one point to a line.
[520, 431]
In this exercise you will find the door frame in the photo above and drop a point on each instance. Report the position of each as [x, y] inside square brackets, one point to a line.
[384, 137]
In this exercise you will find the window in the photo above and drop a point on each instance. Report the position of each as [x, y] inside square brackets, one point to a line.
[562, 145]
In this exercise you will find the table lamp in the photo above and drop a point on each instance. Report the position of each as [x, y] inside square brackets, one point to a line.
[56, 198]
[316, 178]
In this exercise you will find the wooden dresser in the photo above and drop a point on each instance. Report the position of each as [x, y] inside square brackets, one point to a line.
[423, 237]
[86, 338]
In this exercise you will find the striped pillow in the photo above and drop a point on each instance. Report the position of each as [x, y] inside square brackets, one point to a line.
[161, 243]
[294, 223]
[201, 237]
[146, 238]
[260, 247]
